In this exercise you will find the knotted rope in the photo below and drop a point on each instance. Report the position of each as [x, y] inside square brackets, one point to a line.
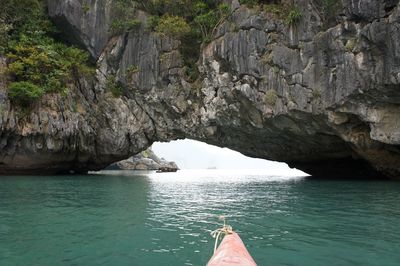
[225, 229]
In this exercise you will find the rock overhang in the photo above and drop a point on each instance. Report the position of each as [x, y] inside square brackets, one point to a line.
[322, 99]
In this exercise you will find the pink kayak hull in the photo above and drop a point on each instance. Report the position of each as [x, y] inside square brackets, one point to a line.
[231, 252]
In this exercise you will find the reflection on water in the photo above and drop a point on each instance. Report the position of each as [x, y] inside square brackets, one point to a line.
[117, 218]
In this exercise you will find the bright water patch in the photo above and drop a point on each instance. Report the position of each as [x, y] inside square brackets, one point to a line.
[120, 218]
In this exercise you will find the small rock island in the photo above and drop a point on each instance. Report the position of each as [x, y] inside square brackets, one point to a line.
[146, 160]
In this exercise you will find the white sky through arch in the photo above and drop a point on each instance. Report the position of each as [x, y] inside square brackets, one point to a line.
[191, 154]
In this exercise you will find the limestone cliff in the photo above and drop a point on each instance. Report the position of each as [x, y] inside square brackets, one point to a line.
[323, 97]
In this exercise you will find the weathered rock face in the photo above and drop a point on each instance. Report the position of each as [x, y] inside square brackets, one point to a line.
[87, 25]
[323, 98]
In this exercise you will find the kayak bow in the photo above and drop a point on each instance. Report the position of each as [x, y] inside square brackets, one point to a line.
[231, 252]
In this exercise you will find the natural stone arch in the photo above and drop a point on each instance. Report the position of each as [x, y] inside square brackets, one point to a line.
[261, 92]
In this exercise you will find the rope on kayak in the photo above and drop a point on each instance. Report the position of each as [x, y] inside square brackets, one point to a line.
[225, 229]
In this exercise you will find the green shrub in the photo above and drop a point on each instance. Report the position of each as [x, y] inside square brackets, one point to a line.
[267, 58]
[271, 97]
[24, 93]
[38, 63]
[47, 64]
[207, 20]
[173, 26]
[316, 93]
[294, 16]
[191, 72]
[124, 20]
[85, 7]
[132, 69]
[350, 45]
[13, 15]
[152, 22]
[120, 26]
[113, 86]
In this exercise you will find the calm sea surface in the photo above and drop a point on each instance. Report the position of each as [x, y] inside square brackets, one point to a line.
[121, 218]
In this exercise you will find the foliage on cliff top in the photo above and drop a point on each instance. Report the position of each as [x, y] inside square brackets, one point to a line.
[290, 12]
[38, 64]
[294, 16]
[124, 16]
[201, 16]
[192, 21]
[173, 26]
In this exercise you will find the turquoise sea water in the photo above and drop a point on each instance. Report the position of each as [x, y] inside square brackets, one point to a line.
[121, 218]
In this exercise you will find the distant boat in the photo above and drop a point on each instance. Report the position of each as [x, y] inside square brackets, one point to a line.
[231, 252]
[212, 167]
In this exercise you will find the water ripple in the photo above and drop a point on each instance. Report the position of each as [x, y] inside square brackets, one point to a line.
[117, 218]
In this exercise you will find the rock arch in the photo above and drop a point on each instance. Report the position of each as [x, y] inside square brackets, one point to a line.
[304, 96]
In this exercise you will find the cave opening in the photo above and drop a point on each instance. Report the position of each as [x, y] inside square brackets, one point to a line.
[193, 154]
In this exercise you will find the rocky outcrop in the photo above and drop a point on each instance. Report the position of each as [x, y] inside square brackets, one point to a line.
[87, 25]
[323, 97]
[146, 160]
